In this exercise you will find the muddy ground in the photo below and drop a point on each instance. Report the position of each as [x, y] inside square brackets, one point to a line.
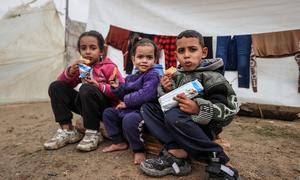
[259, 148]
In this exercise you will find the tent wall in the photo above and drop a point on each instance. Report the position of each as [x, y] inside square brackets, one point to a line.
[73, 31]
[31, 53]
[277, 78]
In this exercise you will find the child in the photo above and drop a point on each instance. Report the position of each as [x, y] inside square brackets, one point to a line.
[93, 97]
[125, 122]
[189, 128]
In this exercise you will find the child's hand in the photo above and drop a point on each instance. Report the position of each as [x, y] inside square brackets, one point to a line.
[187, 105]
[90, 81]
[166, 82]
[74, 66]
[121, 105]
[113, 81]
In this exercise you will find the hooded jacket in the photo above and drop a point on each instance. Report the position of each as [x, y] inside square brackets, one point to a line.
[218, 103]
[101, 71]
[138, 89]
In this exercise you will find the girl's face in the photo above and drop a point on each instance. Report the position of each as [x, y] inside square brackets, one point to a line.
[89, 49]
[190, 53]
[144, 57]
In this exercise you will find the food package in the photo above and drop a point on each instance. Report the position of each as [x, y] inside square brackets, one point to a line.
[84, 71]
[190, 89]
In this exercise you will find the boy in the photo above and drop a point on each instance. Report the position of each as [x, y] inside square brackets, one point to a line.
[190, 128]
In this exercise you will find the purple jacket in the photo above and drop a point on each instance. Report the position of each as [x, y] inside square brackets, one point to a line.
[138, 89]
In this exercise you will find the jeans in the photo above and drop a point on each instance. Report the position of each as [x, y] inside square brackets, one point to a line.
[235, 53]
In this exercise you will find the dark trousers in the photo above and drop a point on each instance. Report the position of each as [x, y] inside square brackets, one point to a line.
[176, 129]
[125, 124]
[89, 102]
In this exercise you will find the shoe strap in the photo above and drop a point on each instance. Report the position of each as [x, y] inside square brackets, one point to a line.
[227, 170]
[216, 168]
[170, 158]
[176, 167]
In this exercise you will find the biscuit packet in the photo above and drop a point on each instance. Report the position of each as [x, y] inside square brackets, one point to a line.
[190, 89]
[84, 71]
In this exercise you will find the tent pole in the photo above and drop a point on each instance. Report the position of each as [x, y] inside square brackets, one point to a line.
[66, 31]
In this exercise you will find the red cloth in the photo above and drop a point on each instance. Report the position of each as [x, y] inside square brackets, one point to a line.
[118, 38]
[167, 43]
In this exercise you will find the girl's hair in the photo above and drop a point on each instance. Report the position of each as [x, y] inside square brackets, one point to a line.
[191, 34]
[95, 34]
[138, 41]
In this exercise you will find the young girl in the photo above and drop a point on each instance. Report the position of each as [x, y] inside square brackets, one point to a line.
[93, 97]
[124, 123]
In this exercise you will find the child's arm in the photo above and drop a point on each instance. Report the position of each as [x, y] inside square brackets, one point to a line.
[146, 93]
[71, 74]
[70, 79]
[117, 88]
[103, 83]
[219, 106]
[166, 85]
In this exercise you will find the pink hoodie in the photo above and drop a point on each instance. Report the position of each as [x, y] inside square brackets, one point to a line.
[101, 71]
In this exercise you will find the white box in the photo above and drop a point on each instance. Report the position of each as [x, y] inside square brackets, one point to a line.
[190, 89]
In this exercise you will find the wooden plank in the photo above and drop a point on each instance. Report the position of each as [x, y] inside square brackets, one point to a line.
[267, 111]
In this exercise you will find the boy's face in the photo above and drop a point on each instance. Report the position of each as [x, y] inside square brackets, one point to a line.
[190, 53]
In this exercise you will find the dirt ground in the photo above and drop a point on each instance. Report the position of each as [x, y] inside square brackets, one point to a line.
[259, 148]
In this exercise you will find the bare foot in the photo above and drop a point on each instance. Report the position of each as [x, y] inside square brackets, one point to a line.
[138, 158]
[179, 153]
[115, 147]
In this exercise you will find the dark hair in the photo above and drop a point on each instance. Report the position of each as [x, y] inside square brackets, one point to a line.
[95, 34]
[191, 33]
[138, 41]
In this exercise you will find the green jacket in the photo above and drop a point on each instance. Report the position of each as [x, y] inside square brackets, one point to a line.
[218, 104]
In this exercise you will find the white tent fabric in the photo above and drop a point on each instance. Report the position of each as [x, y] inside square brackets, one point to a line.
[277, 79]
[31, 53]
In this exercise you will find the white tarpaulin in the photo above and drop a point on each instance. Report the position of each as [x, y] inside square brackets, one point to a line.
[31, 53]
[277, 79]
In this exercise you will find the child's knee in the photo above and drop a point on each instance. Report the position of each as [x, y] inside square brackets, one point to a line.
[132, 120]
[107, 113]
[55, 86]
[86, 90]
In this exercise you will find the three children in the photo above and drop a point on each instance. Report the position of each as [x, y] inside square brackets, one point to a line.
[186, 130]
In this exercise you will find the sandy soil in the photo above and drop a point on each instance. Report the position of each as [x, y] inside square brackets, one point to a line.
[260, 149]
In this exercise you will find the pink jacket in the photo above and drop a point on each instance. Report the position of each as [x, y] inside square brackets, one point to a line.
[101, 71]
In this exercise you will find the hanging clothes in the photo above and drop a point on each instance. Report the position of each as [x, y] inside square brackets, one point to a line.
[274, 44]
[118, 38]
[208, 42]
[167, 43]
[235, 53]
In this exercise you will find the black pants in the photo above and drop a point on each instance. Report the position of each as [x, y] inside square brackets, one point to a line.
[89, 102]
[176, 129]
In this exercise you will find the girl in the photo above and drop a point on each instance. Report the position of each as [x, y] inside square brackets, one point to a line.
[93, 97]
[125, 122]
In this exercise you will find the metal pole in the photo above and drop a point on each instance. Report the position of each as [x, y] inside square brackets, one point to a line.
[66, 31]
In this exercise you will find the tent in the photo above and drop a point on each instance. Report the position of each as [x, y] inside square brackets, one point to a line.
[277, 77]
[31, 52]
[32, 46]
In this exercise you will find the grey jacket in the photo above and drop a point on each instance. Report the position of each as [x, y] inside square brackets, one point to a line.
[218, 103]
